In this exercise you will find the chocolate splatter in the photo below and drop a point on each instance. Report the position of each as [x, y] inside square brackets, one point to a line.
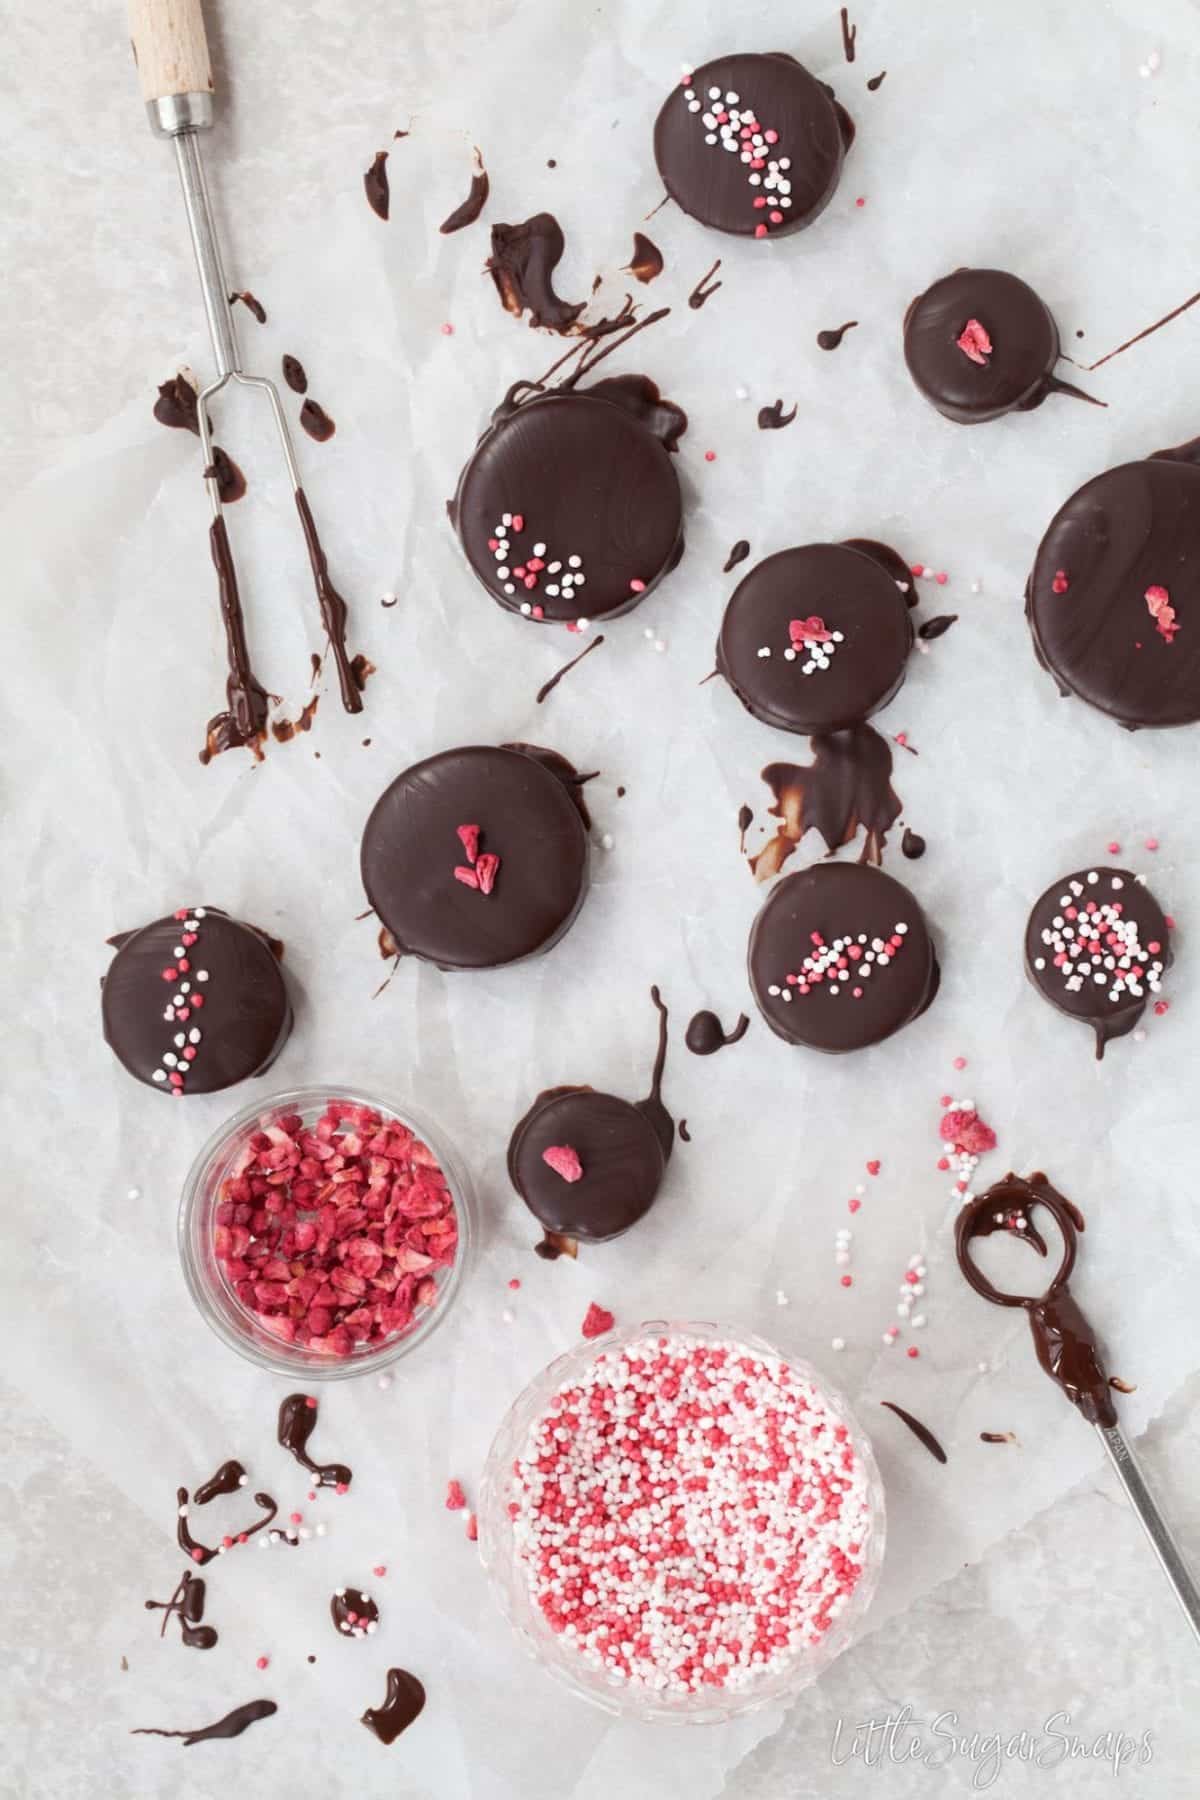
[245, 722]
[912, 844]
[176, 405]
[405, 1702]
[228, 1478]
[231, 1726]
[684, 1133]
[700, 293]
[297, 1421]
[522, 264]
[745, 819]
[333, 610]
[476, 199]
[361, 669]
[773, 418]
[548, 687]
[705, 1034]
[551, 163]
[647, 260]
[936, 627]
[830, 339]
[284, 730]
[187, 1605]
[390, 600]
[620, 793]
[375, 184]
[317, 422]
[921, 1432]
[252, 304]
[997, 1437]
[395, 135]
[294, 374]
[124, 1665]
[876, 82]
[555, 1244]
[201, 1553]
[1129, 342]
[849, 33]
[231, 483]
[847, 785]
[353, 1613]
[737, 554]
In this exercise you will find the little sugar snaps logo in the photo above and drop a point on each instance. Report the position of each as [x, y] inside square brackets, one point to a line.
[896, 1739]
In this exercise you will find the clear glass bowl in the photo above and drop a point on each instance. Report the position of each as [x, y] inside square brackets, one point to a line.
[609, 1691]
[233, 1323]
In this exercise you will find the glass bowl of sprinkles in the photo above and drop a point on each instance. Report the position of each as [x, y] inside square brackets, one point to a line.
[682, 1524]
[325, 1232]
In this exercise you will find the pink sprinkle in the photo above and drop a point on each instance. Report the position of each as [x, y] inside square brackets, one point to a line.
[902, 739]
[597, 1320]
[711, 455]
[1152, 843]
[564, 1160]
[854, 1205]
[776, 218]
[974, 342]
[1114, 849]
[760, 231]
[515, 1282]
[310, 1400]
[861, 201]
[263, 1662]
[637, 587]
[1162, 612]
[472, 1528]
[941, 578]
[455, 1498]
[1060, 584]
[912, 1351]
[943, 1163]
[342, 1487]
[518, 522]
[960, 1062]
[447, 329]
[486, 869]
[312, 1494]
[197, 1555]
[380, 1569]
[296, 1518]
[1161, 1007]
[1169, 917]
[847, 1281]
[539, 612]
[874, 1166]
[916, 568]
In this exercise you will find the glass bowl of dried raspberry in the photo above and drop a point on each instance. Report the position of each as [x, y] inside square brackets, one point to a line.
[325, 1232]
[681, 1523]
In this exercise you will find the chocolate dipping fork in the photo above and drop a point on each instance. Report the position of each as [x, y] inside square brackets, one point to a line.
[1066, 1347]
[170, 48]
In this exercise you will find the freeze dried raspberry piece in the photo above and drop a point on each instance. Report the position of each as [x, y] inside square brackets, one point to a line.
[487, 868]
[564, 1160]
[597, 1321]
[974, 342]
[967, 1131]
[455, 1498]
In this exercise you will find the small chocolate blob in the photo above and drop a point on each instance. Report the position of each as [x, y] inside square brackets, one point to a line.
[912, 844]
[354, 1613]
[706, 1035]
[405, 1702]
[1096, 947]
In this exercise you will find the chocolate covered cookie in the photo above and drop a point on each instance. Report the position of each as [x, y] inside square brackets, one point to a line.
[980, 343]
[477, 857]
[1096, 947]
[841, 957]
[816, 639]
[195, 1002]
[752, 144]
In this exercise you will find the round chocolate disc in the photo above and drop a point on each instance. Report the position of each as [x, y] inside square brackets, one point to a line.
[840, 957]
[476, 898]
[570, 508]
[1096, 946]
[816, 639]
[195, 1002]
[980, 343]
[752, 145]
[1108, 601]
[619, 1151]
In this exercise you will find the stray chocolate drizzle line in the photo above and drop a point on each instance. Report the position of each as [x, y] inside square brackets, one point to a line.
[252, 304]
[1129, 342]
[245, 723]
[876, 81]
[227, 1479]
[684, 1133]
[997, 1437]
[297, 1421]
[921, 1432]
[231, 1726]
[548, 687]
[200, 1553]
[476, 199]
[849, 33]
[595, 352]
[187, 1605]
[705, 1034]
[700, 293]
[375, 184]
[333, 607]
[660, 1060]
[832, 337]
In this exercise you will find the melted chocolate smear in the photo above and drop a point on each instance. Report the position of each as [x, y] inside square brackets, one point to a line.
[647, 260]
[294, 374]
[187, 1605]
[773, 418]
[351, 1612]
[231, 1726]
[375, 184]
[829, 340]
[228, 1478]
[231, 483]
[700, 293]
[912, 844]
[252, 304]
[317, 422]
[847, 785]
[641, 397]
[875, 83]
[849, 33]
[921, 1432]
[476, 199]
[284, 730]
[937, 627]
[737, 554]
[245, 723]
[705, 1033]
[200, 1553]
[555, 1244]
[548, 687]
[1129, 342]
[997, 1437]
[176, 405]
[1062, 1338]
[362, 670]
[1122, 1387]
[652, 1107]
[297, 1421]
[522, 264]
[405, 1702]
[1052, 385]
[684, 1133]
[333, 610]
[745, 819]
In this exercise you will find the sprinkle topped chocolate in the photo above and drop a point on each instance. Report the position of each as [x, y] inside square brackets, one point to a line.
[1097, 946]
[354, 1614]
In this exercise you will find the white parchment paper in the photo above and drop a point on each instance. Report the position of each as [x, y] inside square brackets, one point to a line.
[993, 140]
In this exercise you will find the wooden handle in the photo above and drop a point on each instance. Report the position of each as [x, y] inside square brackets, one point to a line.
[170, 48]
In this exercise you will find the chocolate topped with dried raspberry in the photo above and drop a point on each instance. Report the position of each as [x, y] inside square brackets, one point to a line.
[752, 144]
[478, 856]
[817, 638]
[570, 507]
[980, 343]
[588, 1165]
[195, 1002]
[1096, 947]
[1108, 601]
[841, 957]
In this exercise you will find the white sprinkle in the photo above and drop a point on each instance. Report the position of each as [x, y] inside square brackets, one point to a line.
[575, 561]
[510, 589]
[180, 1040]
[714, 93]
[506, 518]
[201, 975]
[607, 841]
[507, 1316]
[648, 633]
[582, 624]
[526, 608]
[385, 1382]
[201, 912]
[837, 1343]
[764, 649]
[170, 1058]
[982, 1368]
[321, 1530]
[1154, 62]
[539, 549]
[919, 1322]
[660, 645]
[179, 950]
[741, 393]
[504, 573]
[781, 1298]
[841, 1258]
[1144, 71]
[158, 1075]
[551, 594]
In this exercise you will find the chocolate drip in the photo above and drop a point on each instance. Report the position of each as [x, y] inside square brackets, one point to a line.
[912, 844]
[739, 552]
[294, 374]
[231, 1726]
[522, 264]
[652, 1108]
[177, 405]
[375, 184]
[333, 609]
[548, 687]
[1053, 385]
[773, 418]
[187, 1605]
[684, 1133]
[245, 723]
[555, 1244]
[847, 785]
[251, 304]
[936, 627]
[228, 1478]
[646, 262]
[700, 293]
[405, 1702]
[921, 1432]
[849, 33]
[1062, 1337]
[1150, 329]
[476, 199]
[705, 1034]
[297, 1421]
[200, 1553]
[876, 81]
[832, 337]
[745, 819]
[352, 1612]
[317, 422]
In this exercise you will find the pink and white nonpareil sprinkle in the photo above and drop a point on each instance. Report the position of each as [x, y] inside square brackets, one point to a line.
[691, 1514]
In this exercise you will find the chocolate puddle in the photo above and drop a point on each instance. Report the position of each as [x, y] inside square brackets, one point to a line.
[333, 610]
[201, 1553]
[245, 722]
[375, 185]
[700, 293]
[317, 422]
[831, 338]
[297, 1421]
[187, 1605]
[522, 264]
[849, 33]
[773, 418]
[231, 1726]
[936, 627]
[548, 687]
[251, 304]
[739, 552]
[847, 785]
[705, 1034]
[294, 374]
[476, 199]
[227, 1479]
[921, 1432]
[405, 1702]
[646, 263]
